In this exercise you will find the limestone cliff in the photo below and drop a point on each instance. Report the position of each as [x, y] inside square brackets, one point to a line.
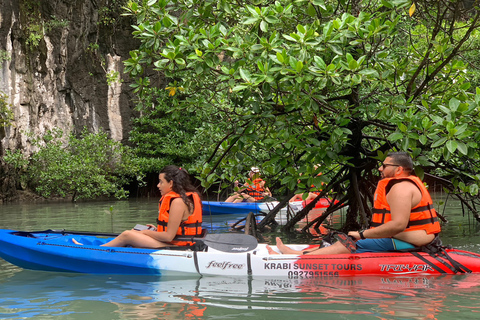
[61, 67]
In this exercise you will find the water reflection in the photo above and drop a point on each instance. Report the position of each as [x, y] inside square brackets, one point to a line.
[33, 293]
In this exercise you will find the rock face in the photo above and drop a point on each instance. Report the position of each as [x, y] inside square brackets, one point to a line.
[61, 67]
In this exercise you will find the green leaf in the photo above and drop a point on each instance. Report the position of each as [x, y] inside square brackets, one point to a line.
[451, 145]
[453, 104]
[245, 75]
[439, 142]
[403, 128]
[423, 140]
[353, 65]
[395, 136]
[444, 109]
[299, 66]
[320, 3]
[272, 19]
[473, 189]
[252, 10]
[239, 88]
[387, 4]
[251, 20]
[369, 72]
[260, 66]
[462, 147]
[263, 26]
[426, 123]
[280, 57]
[336, 49]
[319, 62]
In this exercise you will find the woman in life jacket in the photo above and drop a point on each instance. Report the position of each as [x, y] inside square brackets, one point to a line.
[253, 190]
[180, 213]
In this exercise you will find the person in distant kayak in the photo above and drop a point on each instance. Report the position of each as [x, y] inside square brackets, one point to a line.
[312, 194]
[253, 190]
[403, 214]
[180, 213]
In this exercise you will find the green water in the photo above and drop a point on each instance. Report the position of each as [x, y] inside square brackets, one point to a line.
[28, 294]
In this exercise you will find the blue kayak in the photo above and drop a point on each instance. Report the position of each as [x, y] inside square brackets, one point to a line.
[241, 208]
[244, 208]
[73, 251]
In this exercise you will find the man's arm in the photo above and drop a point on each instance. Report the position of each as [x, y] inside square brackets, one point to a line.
[402, 197]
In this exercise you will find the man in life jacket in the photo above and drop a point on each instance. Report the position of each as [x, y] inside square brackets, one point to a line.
[403, 214]
[253, 190]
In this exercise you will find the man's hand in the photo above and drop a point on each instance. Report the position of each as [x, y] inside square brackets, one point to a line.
[354, 234]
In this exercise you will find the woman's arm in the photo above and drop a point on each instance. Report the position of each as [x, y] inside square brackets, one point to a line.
[178, 210]
[267, 191]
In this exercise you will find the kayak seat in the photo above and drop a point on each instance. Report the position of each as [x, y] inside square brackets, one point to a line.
[203, 234]
[24, 234]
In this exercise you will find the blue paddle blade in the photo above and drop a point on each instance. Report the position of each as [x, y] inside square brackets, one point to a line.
[230, 242]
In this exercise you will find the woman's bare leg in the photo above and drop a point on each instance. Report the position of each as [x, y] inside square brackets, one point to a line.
[135, 239]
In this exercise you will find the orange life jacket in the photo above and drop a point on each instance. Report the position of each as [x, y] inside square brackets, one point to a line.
[422, 217]
[190, 227]
[255, 189]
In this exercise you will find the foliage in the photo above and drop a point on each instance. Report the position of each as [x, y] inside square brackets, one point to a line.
[4, 56]
[163, 135]
[6, 114]
[472, 59]
[36, 25]
[15, 159]
[108, 15]
[36, 28]
[86, 167]
[55, 23]
[334, 83]
[113, 76]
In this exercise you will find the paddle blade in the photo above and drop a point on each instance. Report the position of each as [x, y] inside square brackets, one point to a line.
[347, 241]
[230, 242]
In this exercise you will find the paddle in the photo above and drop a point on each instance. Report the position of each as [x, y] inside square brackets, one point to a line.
[347, 241]
[225, 242]
[64, 232]
[230, 242]
[249, 188]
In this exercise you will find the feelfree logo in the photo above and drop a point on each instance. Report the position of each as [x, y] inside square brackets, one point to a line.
[225, 265]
